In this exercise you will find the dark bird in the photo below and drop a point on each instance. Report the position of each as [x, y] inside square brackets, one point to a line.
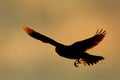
[76, 50]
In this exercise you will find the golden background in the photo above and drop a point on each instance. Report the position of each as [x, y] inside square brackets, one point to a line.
[66, 21]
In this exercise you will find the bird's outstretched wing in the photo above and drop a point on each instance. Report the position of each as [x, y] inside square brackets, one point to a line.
[90, 42]
[39, 36]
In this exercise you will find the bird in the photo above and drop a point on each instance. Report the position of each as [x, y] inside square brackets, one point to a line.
[76, 51]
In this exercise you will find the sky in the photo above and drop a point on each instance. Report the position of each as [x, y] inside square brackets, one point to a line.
[66, 21]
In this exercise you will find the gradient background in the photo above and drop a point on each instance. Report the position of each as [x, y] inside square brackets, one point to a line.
[66, 21]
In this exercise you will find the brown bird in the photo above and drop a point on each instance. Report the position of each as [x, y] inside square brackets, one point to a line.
[76, 50]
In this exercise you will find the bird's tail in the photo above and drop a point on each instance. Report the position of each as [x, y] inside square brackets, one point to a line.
[91, 59]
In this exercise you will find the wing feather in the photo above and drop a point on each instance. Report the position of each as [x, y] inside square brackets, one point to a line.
[39, 36]
[90, 42]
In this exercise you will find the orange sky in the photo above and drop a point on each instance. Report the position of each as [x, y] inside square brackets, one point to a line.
[66, 21]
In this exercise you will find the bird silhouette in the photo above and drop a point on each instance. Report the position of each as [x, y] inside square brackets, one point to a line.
[76, 50]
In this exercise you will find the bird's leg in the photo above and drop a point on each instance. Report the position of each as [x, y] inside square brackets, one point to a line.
[77, 62]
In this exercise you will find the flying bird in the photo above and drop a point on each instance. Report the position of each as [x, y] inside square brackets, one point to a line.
[77, 50]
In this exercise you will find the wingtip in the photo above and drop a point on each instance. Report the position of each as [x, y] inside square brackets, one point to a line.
[27, 29]
[101, 31]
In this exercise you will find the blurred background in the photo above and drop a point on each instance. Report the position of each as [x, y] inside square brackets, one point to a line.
[66, 21]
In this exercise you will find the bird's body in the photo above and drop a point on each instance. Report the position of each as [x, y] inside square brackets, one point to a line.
[68, 52]
[75, 51]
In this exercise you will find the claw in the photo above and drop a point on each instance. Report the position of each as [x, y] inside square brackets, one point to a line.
[77, 62]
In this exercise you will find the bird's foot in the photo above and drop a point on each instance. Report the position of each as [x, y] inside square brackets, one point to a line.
[77, 62]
